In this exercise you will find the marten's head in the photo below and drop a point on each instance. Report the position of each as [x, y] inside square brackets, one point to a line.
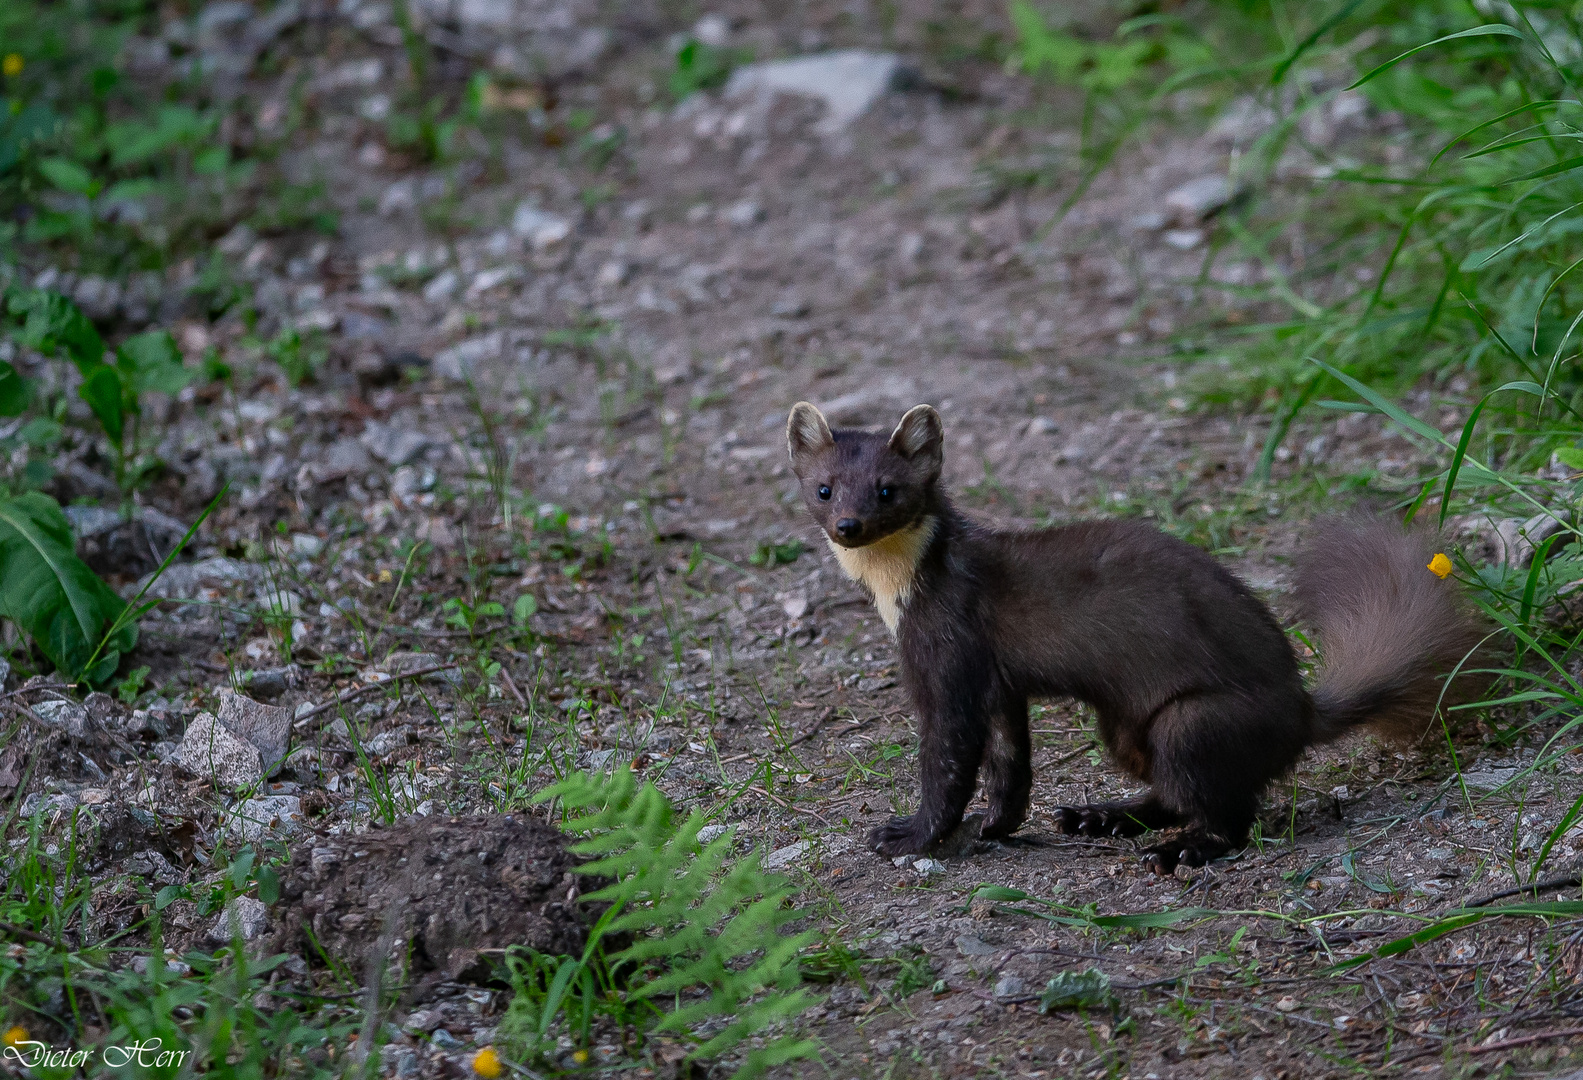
[862, 486]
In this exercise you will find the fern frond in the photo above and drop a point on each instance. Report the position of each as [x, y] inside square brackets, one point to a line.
[701, 918]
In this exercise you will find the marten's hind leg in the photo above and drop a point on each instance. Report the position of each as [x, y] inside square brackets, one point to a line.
[1008, 771]
[1213, 756]
[1126, 817]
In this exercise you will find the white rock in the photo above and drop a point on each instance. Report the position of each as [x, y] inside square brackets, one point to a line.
[781, 857]
[1516, 539]
[352, 74]
[795, 606]
[392, 445]
[267, 727]
[1243, 121]
[66, 716]
[442, 287]
[399, 197]
[928, 867]
[243, 916]
[209, 750]
[460, 359]
[742, 214]
[1184, 239]
[712, 30]
[384, 743]
[540, 228]
[493, 278]
[269, 817]
[614, 273]
[972, 945]
[347, 455]
[188, 581]
[1489, 779]
[847, 81]
[1042, 425]
[710, 833]
[1197, 199]
[1010, 986]
[172, 967]
[91, 520]
[318, 319]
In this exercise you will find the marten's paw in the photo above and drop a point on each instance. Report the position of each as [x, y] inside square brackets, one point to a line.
[1104, 819]
[1189, 849]
[899, 836]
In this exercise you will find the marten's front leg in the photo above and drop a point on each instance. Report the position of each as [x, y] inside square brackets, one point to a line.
[1008, 771]
[952, 731]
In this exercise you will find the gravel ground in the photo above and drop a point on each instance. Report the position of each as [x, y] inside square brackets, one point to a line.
[559, 367]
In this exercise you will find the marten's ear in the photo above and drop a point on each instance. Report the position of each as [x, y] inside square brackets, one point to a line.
[920, 435]
[807, 434]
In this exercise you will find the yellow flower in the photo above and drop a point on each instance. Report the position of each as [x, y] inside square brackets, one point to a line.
[580, 1056]
[384, 576]
[486, 1063]
[1440, 566]
[12, 65]
[15, 1036]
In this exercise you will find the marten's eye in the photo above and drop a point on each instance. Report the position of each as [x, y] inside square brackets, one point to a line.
[887, 493]
[824, 492]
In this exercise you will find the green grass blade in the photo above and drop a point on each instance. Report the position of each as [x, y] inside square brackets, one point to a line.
[1487, 30]
[1385, 405]
[1467, 436]
[1531, 586]
[1562, 828]
[1335, 20]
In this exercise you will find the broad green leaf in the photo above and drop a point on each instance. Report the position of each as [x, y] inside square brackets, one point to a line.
[1570, 456]
[1076, 990]
[151, 361]
[102, 391]
[14, 391]
[523, 610]
[52, 594]
[67, 175]
[52, 322]
[40, 431]
[1152, 920]
[135, 141]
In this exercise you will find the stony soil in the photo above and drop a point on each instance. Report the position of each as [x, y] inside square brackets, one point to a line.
[594, 418]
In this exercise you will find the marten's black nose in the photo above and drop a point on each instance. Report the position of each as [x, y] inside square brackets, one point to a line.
[849, 528]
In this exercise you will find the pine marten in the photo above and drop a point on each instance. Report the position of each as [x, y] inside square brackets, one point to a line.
[1197, 690]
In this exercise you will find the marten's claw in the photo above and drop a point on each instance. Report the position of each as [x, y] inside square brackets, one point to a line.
[1100, 819]
[898, 836]
[1163, 859]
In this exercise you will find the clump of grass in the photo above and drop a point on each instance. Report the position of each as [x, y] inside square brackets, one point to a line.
[219, 1012]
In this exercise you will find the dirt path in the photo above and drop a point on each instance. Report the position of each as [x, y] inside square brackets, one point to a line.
[623, 338]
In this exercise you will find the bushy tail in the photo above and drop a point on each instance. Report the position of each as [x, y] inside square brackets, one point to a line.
[1390, 630]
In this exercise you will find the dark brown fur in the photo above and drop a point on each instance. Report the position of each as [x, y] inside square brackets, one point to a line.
[1196, 688]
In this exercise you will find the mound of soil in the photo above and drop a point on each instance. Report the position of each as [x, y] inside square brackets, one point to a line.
[434, 896]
